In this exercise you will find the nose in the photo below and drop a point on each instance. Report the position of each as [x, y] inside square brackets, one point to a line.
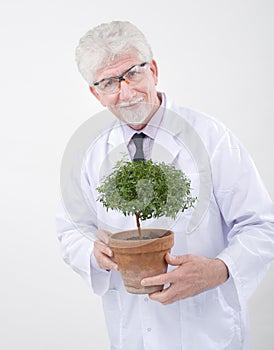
[126, 92]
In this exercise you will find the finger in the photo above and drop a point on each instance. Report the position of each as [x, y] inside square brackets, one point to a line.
[103, 236]
[156, 280]
[110, 265]
[165, 297]
[176, 260]
[106, 263]
[103, 248]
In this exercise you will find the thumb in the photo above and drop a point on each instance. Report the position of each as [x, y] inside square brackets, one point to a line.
[176, 260]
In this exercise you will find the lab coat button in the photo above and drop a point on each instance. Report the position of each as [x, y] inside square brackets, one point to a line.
[149, 329]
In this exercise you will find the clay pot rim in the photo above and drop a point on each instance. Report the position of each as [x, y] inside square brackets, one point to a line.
[116, 235]
[115, 242]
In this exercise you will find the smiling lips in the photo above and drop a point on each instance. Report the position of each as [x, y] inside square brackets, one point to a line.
[130, 103]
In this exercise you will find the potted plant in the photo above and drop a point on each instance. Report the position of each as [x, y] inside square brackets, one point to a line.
[145, 189]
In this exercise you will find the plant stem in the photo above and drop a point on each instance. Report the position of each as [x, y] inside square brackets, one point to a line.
[138, 225]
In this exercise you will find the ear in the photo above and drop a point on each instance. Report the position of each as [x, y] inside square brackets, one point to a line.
[154, 70]
[97, 96]
[94, 92]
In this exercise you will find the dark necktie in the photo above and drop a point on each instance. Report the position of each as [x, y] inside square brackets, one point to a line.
[138, 140]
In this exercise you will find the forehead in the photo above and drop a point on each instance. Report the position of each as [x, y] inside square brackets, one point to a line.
[117, 67]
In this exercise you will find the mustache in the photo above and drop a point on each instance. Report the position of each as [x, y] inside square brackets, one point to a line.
[129, 103]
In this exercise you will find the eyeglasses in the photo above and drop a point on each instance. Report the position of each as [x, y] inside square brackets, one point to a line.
[112, 85]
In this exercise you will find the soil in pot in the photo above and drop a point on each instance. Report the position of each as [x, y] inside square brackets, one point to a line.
[138, 259]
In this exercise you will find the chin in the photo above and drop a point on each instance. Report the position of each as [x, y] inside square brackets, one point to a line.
[136, 118]
[137, 126]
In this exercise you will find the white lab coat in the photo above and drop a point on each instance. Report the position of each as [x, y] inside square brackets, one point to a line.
[234, 221]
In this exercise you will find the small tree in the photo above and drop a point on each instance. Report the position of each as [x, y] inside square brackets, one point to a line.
[146, 189]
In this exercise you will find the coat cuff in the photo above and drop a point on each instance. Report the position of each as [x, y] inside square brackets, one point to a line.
[100, 278]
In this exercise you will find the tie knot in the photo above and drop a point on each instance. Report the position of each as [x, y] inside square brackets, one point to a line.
[138, 141]
[137, 136]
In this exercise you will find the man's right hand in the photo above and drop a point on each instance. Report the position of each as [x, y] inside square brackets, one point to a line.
[103, 254]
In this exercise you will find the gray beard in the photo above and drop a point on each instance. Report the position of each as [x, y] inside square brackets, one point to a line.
[137, 116]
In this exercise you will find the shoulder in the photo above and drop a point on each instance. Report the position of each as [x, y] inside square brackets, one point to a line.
[193, 123]
[199, 120]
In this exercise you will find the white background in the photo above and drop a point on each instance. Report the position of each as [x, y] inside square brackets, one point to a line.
[216, 56]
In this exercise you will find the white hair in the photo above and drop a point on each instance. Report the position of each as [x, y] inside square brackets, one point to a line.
[107, 43]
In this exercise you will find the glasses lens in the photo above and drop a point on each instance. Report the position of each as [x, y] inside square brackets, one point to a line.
[136, 73]
[112, 85]
[108, 85]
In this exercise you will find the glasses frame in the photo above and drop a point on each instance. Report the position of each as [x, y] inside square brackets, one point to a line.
[120, 78]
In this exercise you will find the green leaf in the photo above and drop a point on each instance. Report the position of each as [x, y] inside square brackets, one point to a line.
[148, 188]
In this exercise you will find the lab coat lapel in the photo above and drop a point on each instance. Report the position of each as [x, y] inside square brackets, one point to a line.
[165, 147]
[116, 149]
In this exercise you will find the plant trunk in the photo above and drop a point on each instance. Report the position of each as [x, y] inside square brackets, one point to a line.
[138, 225]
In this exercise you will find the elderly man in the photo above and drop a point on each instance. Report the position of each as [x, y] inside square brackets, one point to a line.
[221, 250]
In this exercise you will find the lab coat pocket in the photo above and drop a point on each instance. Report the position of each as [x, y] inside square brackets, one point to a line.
[221, 319]
[215, 322]
[112, 310]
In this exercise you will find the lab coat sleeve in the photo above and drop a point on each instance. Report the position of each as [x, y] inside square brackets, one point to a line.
[248, 216]
[76, 232]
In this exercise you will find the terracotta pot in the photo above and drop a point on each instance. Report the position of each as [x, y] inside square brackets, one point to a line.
[138, 259]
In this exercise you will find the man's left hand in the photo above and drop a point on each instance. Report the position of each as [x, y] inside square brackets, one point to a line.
[194, 274]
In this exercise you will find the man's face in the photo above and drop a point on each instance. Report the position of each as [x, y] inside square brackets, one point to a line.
[134, 103]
